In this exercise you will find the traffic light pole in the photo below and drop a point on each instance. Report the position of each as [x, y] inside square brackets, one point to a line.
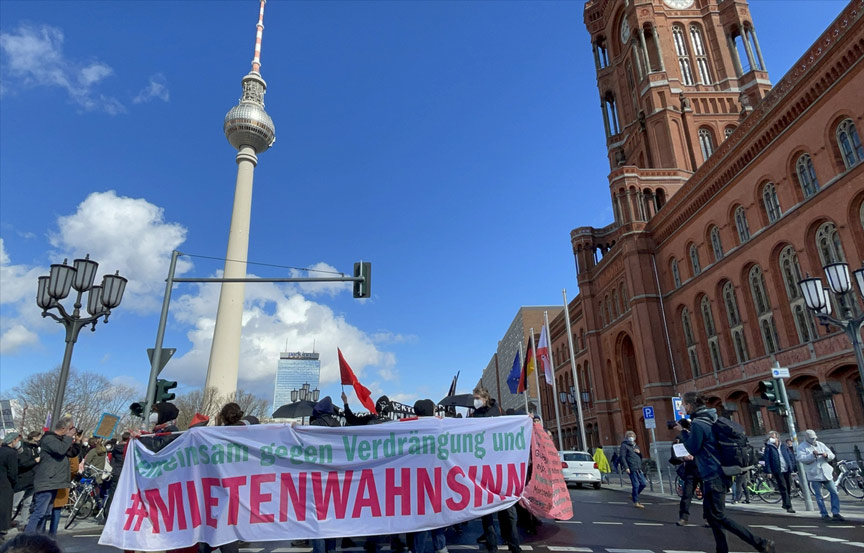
[156, 361]
[790, 422]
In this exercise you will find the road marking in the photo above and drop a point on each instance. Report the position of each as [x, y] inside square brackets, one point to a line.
[833, 526]
[829, 538]
[806, 526]
[468, 547]
[569, 522]
[608, 523]
[855, 543]
[648, 523]
[676, 551]
[618, 503]
[252, 549]
[527, 548]
[629, 551]
[292, 550]
[571, 549]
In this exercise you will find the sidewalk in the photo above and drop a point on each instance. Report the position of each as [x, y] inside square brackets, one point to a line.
[852, 509]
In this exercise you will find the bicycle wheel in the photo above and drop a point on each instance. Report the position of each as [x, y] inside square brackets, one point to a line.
[854, 486]
[76, 509]
[767, 491]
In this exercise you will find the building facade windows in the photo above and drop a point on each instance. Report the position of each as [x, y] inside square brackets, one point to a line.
[706, 143]
[728, 132]
[716, 244]
[711, 333]
[806, 175]
[690, 342]
[701, 54]
[850, 143]
[824, 402]
[762, 303]
[683, 57]
[770, 201]
[791, 272]
[741, 225]
[736, 325]
[676, 274]
[694, 260]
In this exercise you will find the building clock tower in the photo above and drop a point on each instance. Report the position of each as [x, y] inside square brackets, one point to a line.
[675, 78]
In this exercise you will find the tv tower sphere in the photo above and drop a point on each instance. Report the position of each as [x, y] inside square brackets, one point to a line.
[247, 124]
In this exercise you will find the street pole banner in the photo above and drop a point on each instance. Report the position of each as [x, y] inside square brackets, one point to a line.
[546, 494]
[262, 483]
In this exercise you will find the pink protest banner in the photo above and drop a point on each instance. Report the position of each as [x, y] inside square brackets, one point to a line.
[546, 494]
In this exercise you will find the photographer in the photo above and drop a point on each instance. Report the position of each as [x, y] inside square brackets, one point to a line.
[687, 471]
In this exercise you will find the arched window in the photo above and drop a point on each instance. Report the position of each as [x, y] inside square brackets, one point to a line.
[694, 260]
[716, 245]
[701, 54]
[616, 307]
[611, 114]
[736, 326]
[763, 310]
[849, 142]
[770, 201]
[676, 275]
[690, 341]
[728, 132]
[741, 225]
[791, 271]
[711, 332]
[683, 58]
[608, 309]
[625, 301]
[807, 175]
[706, 143]
[602, 314]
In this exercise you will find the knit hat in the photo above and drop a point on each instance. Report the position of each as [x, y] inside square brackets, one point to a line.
[199, 420]
[167, 412]
[424, 408]
[10, 436]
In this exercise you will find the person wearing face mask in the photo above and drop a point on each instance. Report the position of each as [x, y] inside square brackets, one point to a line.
[485, 406]
[163, 417]
[8, 477]
[815, 456]
[52, 472]
[779, 463]
[631, 460]
[28, 458]
[702, 444]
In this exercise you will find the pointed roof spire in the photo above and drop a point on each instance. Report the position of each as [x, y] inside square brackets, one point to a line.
[256, 61]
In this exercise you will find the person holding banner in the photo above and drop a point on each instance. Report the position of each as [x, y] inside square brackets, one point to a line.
[420, 542]
[485, 406]
[322, 415]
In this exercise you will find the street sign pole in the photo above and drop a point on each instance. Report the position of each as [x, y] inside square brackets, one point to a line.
[651, 424]
[790, 422]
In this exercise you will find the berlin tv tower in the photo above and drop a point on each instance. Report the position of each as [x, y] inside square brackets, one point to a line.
[250, 130]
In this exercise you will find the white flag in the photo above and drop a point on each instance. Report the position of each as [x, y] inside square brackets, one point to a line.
[543, 355]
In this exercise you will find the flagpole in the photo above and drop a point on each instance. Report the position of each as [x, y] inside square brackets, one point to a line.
[525, 391]
[555, 401]
[578, 397]
[537, 380]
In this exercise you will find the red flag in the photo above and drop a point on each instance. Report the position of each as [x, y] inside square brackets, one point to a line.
[348, 377]
[527, 368]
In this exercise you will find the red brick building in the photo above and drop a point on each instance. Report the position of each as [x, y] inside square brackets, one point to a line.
[726, 190]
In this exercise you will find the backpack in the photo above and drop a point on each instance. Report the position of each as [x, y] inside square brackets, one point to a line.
[734, 452]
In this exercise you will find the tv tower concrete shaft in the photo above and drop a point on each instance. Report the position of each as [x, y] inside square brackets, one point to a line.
[250, 130]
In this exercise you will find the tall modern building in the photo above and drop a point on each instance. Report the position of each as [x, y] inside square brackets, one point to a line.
[250, 130]
[294, 370]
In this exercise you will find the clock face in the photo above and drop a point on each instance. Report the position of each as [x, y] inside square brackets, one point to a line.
[678, 4]
[625, 31]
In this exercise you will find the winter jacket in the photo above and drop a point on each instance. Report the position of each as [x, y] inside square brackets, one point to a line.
[491, 409]
[702, 444]
[382, 407]
[118, 455]
[628, 457]
[52, 472]
[27, 456]
[772, 458]
[96, 458]
[816, 469]
[8, 468]
[322, 414]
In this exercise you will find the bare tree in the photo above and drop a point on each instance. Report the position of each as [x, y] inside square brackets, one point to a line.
[209, 402]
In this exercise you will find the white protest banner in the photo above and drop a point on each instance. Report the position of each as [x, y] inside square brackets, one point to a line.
[274, 482]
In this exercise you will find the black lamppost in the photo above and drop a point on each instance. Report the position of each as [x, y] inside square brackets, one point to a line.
[818, 299]
[305, 394]
[101, 299]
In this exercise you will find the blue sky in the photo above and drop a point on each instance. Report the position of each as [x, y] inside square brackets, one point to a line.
[453, 144]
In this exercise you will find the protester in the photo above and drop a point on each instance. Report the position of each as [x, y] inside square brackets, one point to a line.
[616, 462]
[118, 455]
[688, 472]
[703, 446]
[631, 459]
[816, 456]
[97, 459]
[8, 478]
[791, 445]
[741, 487]
[52, 472]
[602, 464]
[486, 406]
[163, 417]
[779, 462]
[28, 458]
[322, 414]
[62, 497]
[31, 543]
[428, 541]
[199, 420]
[383, 408]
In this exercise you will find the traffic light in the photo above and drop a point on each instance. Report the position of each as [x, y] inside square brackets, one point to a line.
[362, 288]
[162, 393]
[137, 409]
[768, 391]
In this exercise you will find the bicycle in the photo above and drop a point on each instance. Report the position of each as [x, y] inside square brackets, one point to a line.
[86, 498]
[765, 488]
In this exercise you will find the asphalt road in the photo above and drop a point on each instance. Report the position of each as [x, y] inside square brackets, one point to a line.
[605, 522]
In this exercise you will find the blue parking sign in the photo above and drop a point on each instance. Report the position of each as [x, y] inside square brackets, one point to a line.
[648, 412]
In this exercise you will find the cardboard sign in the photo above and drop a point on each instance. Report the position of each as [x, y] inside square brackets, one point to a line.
[546, 494]
[107, 425]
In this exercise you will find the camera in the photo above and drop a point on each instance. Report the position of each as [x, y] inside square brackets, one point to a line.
[671, 424]
[683, 423]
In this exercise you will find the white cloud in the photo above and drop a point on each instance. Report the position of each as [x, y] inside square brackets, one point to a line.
[125, 234]
[21, 317]
[156, 88]
[272, 314]
[385, 337]
[15, 337]
[324, 270]
[17, 282]
[33, 56]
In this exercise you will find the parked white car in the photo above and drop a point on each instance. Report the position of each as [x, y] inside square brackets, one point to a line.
[579, 468]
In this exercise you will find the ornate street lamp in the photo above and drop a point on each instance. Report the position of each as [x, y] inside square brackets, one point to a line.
[818, 300]
[101, 299]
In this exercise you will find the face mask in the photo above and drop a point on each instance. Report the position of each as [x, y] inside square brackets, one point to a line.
[109, 447]
[154, 418]
[478, 403]
[772, 440]
[810, 440]
[18, 445]
[631, 439]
